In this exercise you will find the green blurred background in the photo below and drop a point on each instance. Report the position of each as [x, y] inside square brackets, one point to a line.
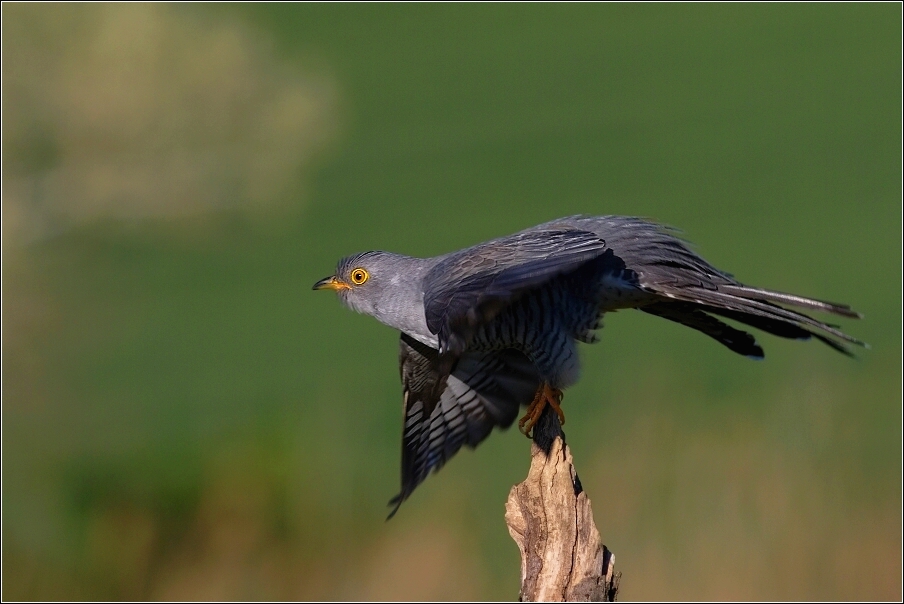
[184, 418]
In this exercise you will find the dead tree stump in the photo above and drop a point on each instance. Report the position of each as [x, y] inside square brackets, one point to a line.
[550, 518]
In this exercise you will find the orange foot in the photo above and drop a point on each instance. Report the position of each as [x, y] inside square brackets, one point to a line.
[546, 394]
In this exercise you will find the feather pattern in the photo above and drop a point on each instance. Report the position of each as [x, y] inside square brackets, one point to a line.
[483, 391]
[470, 287]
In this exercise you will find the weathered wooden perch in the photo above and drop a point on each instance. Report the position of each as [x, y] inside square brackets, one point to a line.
[549, 517]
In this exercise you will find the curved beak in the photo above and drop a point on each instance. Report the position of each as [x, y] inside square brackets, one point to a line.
[331, 283]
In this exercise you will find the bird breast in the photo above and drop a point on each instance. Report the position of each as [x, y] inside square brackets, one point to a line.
[544, 325]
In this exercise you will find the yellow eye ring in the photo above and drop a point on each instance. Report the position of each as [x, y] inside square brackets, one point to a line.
[359, 276]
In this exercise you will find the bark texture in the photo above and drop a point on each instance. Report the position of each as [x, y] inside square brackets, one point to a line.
[550, 518]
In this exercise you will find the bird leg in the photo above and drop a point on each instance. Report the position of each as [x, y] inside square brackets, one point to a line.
[546, 395]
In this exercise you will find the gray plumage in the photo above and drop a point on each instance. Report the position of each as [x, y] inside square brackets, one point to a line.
[484, 327]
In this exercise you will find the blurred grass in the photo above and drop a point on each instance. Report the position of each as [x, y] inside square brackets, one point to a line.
[183, 418]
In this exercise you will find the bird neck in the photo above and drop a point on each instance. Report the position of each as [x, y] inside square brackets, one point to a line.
[402, 304]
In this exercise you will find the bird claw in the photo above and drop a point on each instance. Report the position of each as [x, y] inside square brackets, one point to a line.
[546, 395]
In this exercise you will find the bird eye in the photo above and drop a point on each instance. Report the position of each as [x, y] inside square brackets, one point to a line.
[359, 276]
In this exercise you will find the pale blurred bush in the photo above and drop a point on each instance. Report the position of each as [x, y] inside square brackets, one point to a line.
[134, 110]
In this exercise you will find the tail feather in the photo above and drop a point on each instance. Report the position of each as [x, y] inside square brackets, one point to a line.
[772, 296]
[727, 301]
[779, 328]
[735, 340]
[776, 327]
[837, 345]
[668, 268]
[756, 308]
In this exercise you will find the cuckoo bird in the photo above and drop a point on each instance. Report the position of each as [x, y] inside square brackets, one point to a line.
[494, 327]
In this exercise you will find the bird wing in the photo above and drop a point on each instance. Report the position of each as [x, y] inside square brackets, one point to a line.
[445, 411]
[469, 287]
[687, 289]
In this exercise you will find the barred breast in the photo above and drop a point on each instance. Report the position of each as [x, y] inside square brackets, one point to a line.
[545, 326]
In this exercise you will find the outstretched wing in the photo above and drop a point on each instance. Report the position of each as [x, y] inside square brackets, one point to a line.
[687, 289]
[468, 288]
[444, 412]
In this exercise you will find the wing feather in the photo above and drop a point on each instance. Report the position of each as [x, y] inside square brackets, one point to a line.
[469, 287]
[672, 273]
[445, 412]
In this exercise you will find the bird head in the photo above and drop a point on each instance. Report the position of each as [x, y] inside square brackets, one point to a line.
[364, 281]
